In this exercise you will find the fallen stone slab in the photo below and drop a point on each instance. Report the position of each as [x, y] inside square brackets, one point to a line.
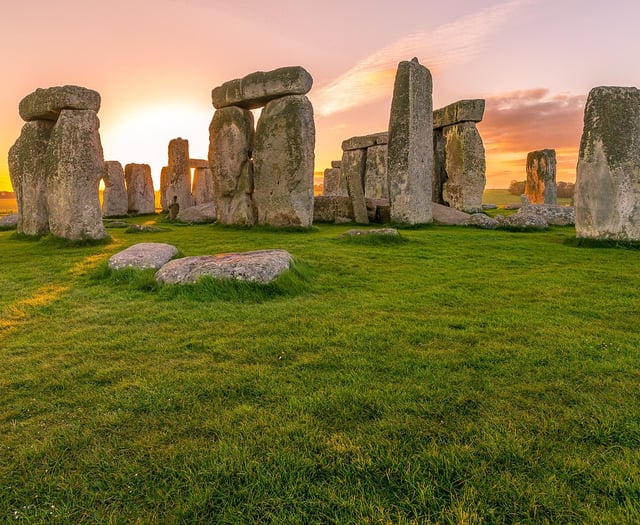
[377, 231]
[483, 221]
[9, 221]
[143, 255]
[143, 228]
[116, 224]
[47, 103]
[448, 216]
[262, 266]
[554, 214]
[525, 221]
[255, 90]
[458, 112]
[198, 214]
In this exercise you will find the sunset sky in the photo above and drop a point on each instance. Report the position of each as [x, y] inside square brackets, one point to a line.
[155, 62]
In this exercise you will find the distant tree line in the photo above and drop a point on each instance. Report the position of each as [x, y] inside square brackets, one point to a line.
[565, 189]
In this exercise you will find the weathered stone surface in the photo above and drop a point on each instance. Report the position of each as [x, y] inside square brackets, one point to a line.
[376, 184]
[410, 154]
[458, 112]
[336, 164]
[114, 198]
[554, 214]
[334, 182]
[540, 186]
[75, 165]
[481, 220]
[200, 213]
[231, 139]
[524, 200]
[28, 172]
[391, 232]
[527, 221]
[143, 256]
[464, 164]
[261, 266]
[439, 174]
[607, 191]
[141, 197]
[146, 228]
[283, 160]
[177, 176]
[489, 206]
[365, 141]
[198, 163]
[46, 104]
[327, 208]
[9, 221]
[448, 216]
[202, 188]
[259, 88]
[353, 169]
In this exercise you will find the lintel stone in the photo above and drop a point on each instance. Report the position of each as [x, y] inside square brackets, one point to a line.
[462, 111]
[47, 103]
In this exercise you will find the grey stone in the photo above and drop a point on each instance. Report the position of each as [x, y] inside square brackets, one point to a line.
[46, 104]
[143, 256]
[9, 221]
[115, 224]
[607, 190]
[177, 176]
[140, 193]
[146, 228]
[336, 164]
[489, 206]
[391, 232]
[448, 216]
[200, 213]
[458, 112]
[540, 186]
[28, 172]
[410, 155]
[465, 167]
[376, 184]
[283, 159]
[483, 221]
[524, 200]
[202, 188]
[75, 165]
[261, 266]
[353, 169]
[259, 88]
[231, 138]
[527, 221]
[114, 198]
[328, 208]
[365, 141]
[554, 214]
[334, 183]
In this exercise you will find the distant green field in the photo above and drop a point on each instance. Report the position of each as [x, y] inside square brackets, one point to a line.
[503, 197]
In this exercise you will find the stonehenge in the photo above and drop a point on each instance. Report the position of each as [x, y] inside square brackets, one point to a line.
[540, 185]
[57, 163]
[115, 201]
[141, 197]
[175, 178]
[263, 175]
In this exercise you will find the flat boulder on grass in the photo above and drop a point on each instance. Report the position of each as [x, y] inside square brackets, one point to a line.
[553, 213]
[143, 256]
[391, 232]
[483, 221]
[201, 213]
[448, 216]
[524, 221]
[262, 266]
[9, 221]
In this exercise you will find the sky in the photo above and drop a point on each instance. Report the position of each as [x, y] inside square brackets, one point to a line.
[155, 62]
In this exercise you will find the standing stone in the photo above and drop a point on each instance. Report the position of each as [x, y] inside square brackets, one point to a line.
[439, 176]
[231, 138]
[376, 184]
[540, 186]
[141, 197]
[284, 160]
[177, 176]
[27, 169]
[465, 167]
[75, 165]
[331, 185]
[607, 191]
[202, 189]
[114, 197]
[353, 167]
[410, 155]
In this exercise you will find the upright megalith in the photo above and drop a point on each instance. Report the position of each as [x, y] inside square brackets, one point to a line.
[283, 160]
[263, 176]
[115, 201]
[607, 191]
[459, 169]
[354, 163]
[202, 185]
[410, 149]
[175, 178]
[231, 137]
[57, 163]
[540, 186]
[141, 197]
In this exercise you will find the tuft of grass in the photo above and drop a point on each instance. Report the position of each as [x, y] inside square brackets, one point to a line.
[374, 240]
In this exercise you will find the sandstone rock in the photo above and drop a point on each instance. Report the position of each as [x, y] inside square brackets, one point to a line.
[200, 213]
[439, 174]
[336, 164]
[143, 255]
[365, 141]
[540, 186]
[378, 210]
[75, 165]
[410, 154]
[198, 163]
[202, 188]
[28, 172]
[464, 164]
[376, 184]
[177, 177]
[607, 191]
[481, 220]
[458, 112]
[554, 214]
[448, 216]
[525, 221]
[261, 266]
[353, 169]
[283, 160]
[9, 221]
[46, 104]
[334, 183]
[489, 206]
[231, 139]
[329, 208]
[391, 232]
[140, 193]
[259, 88]
[146, 228]
[114, 198]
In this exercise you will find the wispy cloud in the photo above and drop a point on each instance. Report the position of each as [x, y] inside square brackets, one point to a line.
[451, 43]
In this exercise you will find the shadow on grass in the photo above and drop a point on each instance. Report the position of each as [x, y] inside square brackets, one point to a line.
[602, 243]
[373, 240]
[265, 228]
[58, 242]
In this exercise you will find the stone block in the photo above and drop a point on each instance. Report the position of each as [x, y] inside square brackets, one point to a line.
[365, 141]
[115, 201]
[140, 194]
[376, 185]
[540, 186]
[46, 104]
[458, 112]
[353, 169]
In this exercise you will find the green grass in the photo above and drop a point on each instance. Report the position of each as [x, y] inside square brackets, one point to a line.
[457, 376]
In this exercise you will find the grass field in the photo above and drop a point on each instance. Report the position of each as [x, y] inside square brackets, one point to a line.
[503, 197]
[455, 376]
